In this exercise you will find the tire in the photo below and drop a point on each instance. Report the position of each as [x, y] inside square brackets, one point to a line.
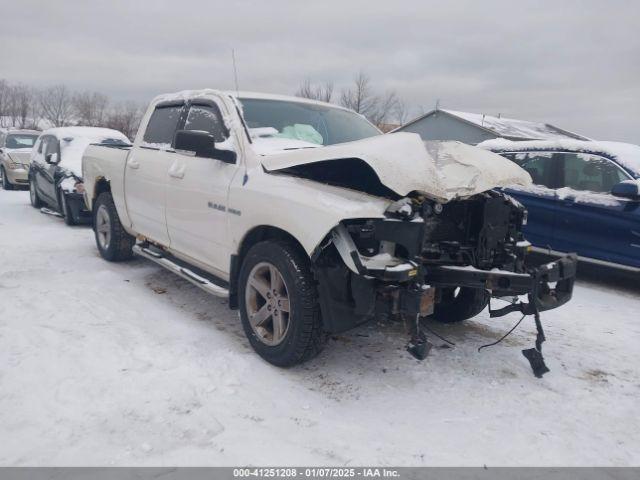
[6, 185]
[65, 210]
[303, 337]
[113, 242]
[33, 195]
[460, 304]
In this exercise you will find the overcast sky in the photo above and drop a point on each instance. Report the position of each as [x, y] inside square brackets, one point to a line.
[573, 64]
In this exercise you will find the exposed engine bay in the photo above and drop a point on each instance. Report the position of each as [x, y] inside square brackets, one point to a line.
[409, 264]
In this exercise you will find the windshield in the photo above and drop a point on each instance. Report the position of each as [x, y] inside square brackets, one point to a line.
[308, 122]
[15, 140]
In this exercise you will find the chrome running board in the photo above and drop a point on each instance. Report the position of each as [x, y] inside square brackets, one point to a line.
[190, 276]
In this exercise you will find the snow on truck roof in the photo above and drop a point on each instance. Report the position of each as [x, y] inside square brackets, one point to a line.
[190, 94]
[626, 154]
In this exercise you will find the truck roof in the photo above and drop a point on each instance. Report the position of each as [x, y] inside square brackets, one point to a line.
[187, 94]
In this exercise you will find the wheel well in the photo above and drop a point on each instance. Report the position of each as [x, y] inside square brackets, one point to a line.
[102, 185]
[255, 235]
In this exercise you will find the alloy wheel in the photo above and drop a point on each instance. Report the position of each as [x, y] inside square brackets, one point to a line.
[267, 302]
[103, 227]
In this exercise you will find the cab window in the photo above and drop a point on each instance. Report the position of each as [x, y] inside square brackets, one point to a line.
[162, 125]
[206, 118]
[586, 172]
[540, 165]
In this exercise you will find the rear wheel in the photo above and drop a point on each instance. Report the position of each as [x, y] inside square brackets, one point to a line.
[33, 195]
[279, 304]
[6, 185]
[458, 304]
[114, 243]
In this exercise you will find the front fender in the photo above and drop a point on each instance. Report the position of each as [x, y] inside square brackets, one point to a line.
[305, 209]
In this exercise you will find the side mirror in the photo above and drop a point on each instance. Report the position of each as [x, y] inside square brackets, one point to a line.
[52, 158]
[201, 144]
[628, 189]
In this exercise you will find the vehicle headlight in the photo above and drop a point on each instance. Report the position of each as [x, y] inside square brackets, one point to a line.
[14, 165]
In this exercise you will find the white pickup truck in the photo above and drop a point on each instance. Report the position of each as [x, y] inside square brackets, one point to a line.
[311, 221]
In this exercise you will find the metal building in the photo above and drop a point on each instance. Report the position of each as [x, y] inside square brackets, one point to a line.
[473, 128]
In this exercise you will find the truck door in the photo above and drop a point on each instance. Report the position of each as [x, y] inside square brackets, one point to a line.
[145, 177]
[197, 193]
[591, 221]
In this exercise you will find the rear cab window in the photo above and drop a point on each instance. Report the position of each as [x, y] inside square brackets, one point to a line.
[162, 126]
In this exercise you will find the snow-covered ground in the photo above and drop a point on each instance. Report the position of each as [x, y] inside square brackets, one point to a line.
[125, 364]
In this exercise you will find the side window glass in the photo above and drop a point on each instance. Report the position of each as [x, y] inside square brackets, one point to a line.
[162, 126]
[539, 165]
[585, 172]
[207, 118]
[51, 147]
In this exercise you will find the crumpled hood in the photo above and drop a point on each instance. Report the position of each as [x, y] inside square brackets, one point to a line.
[441, 170]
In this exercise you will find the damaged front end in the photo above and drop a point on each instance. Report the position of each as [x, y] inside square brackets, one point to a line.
[410, 264]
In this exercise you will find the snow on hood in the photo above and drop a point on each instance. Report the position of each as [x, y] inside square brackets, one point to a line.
[75, 140]
[404, 163]
[626, 154]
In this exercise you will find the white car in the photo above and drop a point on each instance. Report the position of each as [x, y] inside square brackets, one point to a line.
[55, 175]
[311, 221]
[15, 147]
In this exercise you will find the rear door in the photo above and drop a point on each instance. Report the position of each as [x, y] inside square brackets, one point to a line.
[197, 193]
[146, 173]
[591, 221]
[540, 199]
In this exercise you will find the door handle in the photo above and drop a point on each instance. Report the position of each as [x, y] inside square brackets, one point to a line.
[177, 171]
[133, 164]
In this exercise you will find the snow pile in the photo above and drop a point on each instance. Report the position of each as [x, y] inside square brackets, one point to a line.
[511, 127]
[125, 364]
[626, 154]
[75, 140]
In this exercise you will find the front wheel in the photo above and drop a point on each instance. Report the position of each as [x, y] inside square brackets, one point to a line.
[279, 304]
[114, 243]
[6, 185]
[458, 304]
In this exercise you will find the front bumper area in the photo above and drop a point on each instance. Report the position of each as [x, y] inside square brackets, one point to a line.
[535, 283]
[78, 208]
[18, 176]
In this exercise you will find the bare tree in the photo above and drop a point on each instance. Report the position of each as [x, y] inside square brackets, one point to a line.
[4, 98]
[56, 105]
[125, 117]
[401, 113]
[19, 106]
[323, 92]
[90, 108]
[362, 98]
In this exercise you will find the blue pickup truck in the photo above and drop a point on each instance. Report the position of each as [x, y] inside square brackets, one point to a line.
[585, 197]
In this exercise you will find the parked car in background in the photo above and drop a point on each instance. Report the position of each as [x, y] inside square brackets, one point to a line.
[310, 221]
[55, 176]
[15, 151]
[585, 197]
